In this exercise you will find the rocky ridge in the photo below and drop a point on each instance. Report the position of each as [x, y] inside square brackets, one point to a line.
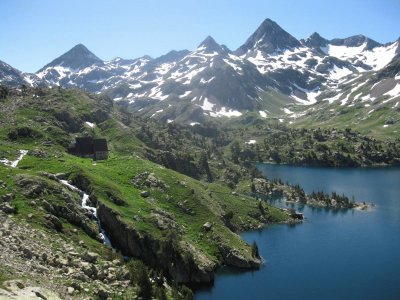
[213, 81]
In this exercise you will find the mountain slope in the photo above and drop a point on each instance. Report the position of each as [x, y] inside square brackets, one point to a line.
[10, 76]
[166, 224]
[213, 81]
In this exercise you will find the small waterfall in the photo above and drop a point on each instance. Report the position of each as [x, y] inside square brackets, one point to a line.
[92, 210]
[14, 163]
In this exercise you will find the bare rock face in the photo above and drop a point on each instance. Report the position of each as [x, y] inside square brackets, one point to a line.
[235, 259]
[181, 262]
[148, 180]
[54, 222]
[165, 221]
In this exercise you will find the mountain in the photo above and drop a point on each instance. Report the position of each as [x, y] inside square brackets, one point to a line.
[268, 38]
[12, 77]
[356, 41]
[270, 71]
[315, 41]
[78, 58]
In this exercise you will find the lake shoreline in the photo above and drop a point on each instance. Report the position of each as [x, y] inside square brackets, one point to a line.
[297, 255]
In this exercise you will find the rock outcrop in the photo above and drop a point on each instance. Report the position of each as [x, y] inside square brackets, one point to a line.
[171, 256]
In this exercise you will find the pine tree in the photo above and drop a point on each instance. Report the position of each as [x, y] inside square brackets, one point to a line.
[254, 250]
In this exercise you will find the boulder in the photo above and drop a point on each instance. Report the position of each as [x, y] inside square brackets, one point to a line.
[54, 222]
[7, 197]
[207, 226]
[27, 253]
[144, 194]
[102, 294]
[70, 290]
[61, 176]
[7, 208]
[88, 269]
[90, 257]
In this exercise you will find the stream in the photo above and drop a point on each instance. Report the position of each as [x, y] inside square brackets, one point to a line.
[91, 209]
[14, 163]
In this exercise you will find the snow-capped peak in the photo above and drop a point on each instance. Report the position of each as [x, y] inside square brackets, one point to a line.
[269, 37]
[77, 58]
[209, 45]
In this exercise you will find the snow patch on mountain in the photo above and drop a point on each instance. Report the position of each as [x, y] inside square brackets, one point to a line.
[287, 111]
[251, 142]
[157, 112]
[233, 65]
[337, 73]
[224, 112]
[156, 93]
[91, 125]
[377, 58]
[185, 94]
[207, 106]
[203, 81]
[394, 92]
[263, 114]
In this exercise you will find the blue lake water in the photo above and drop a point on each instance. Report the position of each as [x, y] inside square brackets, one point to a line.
[346, 254]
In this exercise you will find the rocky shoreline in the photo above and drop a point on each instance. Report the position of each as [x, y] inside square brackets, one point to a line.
[263, 188]
[179, 259]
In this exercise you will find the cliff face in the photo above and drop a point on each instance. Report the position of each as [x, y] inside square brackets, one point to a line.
[175, 256]
[183, 266]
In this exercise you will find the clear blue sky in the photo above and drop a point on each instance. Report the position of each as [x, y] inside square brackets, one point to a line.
[34, 32]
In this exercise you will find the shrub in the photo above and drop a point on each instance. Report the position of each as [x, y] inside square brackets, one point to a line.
[138, 275]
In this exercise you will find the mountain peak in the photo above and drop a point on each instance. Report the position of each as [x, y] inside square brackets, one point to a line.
[268, 23]
[315, 40]
[269, 37]
[79, 47]
[356, 41]
[171, 56]
[78, 57]
[210, 45]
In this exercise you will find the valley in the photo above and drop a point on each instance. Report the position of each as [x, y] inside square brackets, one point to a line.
[167, 207]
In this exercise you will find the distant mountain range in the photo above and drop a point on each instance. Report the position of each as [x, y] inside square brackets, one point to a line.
[270, 72]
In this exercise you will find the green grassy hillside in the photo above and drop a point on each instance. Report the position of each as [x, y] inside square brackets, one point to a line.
[199, 219]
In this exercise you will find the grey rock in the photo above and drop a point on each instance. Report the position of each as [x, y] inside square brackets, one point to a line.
[44, 256]
[27, 253]
[7, 208]
[207, 226]
[70, 290]
[144, 194]
[102, 294]
[7, 197]
[116, 262]
[61, 176]
[54, 222]
[89, 269]
[90, 257]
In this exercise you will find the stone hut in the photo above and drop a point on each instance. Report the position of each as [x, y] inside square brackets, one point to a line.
[90, 148]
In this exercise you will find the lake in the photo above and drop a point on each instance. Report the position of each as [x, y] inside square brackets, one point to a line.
[346, 254]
